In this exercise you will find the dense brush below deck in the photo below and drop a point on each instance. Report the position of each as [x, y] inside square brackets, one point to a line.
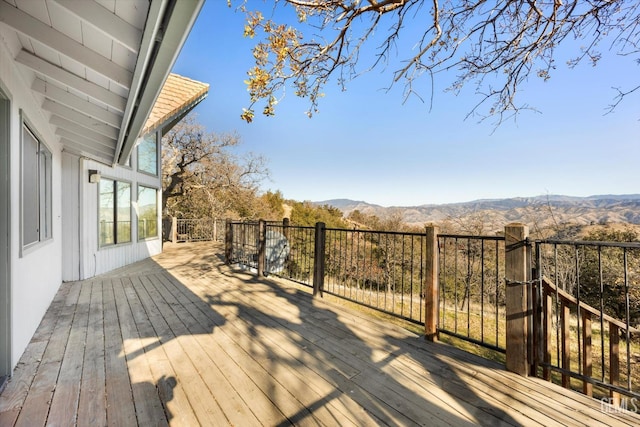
[182, 339]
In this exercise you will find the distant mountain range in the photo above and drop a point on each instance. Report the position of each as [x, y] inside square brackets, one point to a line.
[540, 210]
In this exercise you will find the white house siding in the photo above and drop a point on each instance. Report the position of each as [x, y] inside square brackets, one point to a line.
[35, 274]
[71, 217]
[97, 260]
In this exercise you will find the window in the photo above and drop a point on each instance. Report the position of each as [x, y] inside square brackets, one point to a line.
[114, 212]
[36, 189]
[147, 212]
[148, 155]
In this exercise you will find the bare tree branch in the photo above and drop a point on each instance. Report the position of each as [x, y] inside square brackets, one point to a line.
[200, 175]
[492, 45]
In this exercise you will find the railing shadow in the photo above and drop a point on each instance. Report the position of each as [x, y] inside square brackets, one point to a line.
[185, 339]
[413, 393]
[345, 365]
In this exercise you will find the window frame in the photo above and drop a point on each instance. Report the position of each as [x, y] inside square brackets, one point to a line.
[141, 236]
[116, 240]
[42, 185]
[145, 139]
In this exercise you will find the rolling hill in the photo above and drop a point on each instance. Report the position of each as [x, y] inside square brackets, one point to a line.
[541, 211]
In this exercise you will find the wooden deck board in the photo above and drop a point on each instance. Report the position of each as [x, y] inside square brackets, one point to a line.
[389, 392]
[172, 392]
[148, 406]
[294, 378]
[328, 356]
[37, 403]
[202, 402]
[64, 404]
[204, 353]
[92, 405]
[119, 397]
[183, 340]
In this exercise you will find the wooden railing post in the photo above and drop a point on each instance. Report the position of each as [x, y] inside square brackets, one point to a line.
[285, 228]
[587, 362]
[287, 233]
[174, 229]
[565, 325]
[228, 242]
[431, 284]
[614, 362]
[517, 272]
[548, 326]
[318, 259]
[262, 246]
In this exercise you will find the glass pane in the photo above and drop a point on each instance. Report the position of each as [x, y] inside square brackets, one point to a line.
[147, 212]
[147, 155]
[30, 193]
[124, 212]
[106, 215]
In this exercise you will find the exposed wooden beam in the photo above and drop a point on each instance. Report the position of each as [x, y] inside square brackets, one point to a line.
[81, 130]
[80, 119]
[80, 140]
[65, 45]
[53, 92]
[66, 78]
[106, 21]
[86, 151]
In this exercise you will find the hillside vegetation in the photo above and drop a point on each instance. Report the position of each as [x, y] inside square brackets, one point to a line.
[573, 215]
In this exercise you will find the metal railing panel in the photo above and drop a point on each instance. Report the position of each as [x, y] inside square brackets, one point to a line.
[472, 289]
[588, 306]
[378, 269]
[198, 230]
[293, 260]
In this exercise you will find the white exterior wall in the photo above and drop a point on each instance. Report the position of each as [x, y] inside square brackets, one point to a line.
[35, 274]
[94, 259]
[72, 253]
[71, 217]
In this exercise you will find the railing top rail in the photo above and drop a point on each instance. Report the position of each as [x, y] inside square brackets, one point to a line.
[357, 230]
[470, 236]
[304, 227]
[628, 245]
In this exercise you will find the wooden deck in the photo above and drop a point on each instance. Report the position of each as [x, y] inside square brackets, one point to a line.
[182, 339]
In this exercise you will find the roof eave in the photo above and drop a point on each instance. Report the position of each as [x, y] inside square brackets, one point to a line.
[168, 26]
[170, 121]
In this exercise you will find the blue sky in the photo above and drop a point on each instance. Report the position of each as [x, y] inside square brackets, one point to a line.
[367, 144]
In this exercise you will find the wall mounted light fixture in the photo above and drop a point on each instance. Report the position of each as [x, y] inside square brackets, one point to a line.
[94, 176]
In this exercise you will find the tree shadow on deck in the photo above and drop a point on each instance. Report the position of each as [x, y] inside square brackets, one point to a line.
[158, 335]
[387, 379]
[331, 361]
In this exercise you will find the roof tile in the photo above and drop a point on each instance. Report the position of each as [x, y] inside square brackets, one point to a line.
[177, 94]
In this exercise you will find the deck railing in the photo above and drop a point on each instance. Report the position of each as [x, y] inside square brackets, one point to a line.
[587, 297]
[387, 271]
[245, 243]
[194, 230]
[560, 301]
[379, 269]
[472, 289]
[290, 252]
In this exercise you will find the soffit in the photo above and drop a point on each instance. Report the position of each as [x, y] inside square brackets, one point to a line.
[91, 63]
